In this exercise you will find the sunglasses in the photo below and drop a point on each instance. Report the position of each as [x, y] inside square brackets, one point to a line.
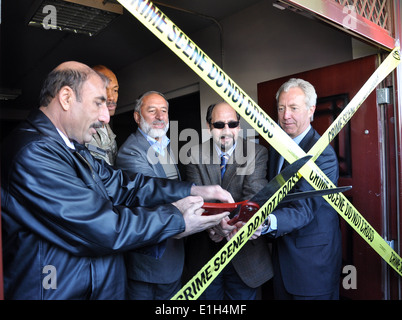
[221, 125]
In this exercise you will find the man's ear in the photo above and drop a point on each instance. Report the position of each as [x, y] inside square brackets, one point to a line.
[137, 117]
[66, 96]
[312, 110]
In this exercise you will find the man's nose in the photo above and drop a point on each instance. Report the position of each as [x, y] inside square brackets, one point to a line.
[226, 128]
[286, 113]
[159, 114]
[104, 115]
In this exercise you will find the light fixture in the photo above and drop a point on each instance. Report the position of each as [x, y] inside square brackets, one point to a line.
[278, 5]
[9, 94]
[77, 16]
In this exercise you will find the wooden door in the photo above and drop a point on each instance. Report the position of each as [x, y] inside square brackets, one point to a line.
[358, 147]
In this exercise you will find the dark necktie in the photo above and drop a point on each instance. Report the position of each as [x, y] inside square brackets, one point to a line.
[224, 160]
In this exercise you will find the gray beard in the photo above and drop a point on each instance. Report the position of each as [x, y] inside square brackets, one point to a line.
[153, 133]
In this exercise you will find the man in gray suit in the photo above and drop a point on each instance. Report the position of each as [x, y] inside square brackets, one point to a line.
[148, 151]
[243, 176]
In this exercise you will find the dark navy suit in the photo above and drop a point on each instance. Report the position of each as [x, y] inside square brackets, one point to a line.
[307, 247]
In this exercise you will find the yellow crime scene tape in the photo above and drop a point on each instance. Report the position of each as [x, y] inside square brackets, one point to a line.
[196, 286]
[159, 24]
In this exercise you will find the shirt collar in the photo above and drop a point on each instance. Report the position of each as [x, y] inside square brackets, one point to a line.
[229, 152]
[66, 140]
[158, 145]
[300, 137]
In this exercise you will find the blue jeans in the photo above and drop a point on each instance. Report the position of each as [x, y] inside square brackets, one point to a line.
[228, 286]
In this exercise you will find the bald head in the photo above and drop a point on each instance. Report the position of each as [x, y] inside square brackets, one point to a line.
[73, 65]
[72, 74]
[101, 68]
[73, 97]
[112, 89]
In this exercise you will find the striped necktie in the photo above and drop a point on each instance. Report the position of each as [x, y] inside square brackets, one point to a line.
[224, 160]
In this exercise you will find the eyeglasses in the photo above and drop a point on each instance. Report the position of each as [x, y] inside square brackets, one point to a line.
[221, 124]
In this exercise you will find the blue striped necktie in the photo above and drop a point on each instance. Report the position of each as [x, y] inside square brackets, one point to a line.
[224, 160]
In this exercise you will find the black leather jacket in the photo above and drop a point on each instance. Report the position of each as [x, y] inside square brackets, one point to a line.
[67, 218]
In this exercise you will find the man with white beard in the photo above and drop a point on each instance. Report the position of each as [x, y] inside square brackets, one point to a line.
[148, 151]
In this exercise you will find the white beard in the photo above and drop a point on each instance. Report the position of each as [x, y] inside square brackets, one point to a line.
[153, 133]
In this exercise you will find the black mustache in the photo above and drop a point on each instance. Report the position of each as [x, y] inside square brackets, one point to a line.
[97, 125]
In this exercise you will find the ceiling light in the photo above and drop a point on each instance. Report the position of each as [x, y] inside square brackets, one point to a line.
[278, 5]
[77, 16]
[9, 94]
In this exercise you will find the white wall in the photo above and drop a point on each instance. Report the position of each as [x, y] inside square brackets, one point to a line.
[260, 43]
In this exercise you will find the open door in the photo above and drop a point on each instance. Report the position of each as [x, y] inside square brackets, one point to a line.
[360, 150]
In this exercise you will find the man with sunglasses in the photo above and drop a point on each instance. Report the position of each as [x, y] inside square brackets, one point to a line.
[243, 175]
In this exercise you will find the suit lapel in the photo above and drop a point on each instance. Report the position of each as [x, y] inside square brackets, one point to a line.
[212, 163]
[232, 166]
[308, 140]
[145, 146]
[274, 156]
[174, 161]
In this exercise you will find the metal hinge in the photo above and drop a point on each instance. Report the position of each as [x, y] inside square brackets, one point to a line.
[391, 243]
[384, 95]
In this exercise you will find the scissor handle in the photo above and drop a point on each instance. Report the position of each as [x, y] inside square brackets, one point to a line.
[216, 208]
[247, 210]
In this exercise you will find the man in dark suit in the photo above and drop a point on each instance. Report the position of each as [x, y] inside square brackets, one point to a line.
[307, 247]
[243, 176]
[148, 151]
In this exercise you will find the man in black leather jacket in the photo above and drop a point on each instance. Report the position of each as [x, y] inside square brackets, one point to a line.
[66, 217]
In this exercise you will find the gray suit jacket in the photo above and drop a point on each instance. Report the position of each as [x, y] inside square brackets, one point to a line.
[132, 158]
[245, 175]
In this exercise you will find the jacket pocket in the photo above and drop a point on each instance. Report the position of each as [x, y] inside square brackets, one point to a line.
[312, 240]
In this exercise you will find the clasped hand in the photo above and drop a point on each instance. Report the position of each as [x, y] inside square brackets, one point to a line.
[190, 207]
[225, 230]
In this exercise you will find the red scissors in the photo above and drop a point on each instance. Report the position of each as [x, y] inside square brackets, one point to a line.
[246, 210]
[243, 211]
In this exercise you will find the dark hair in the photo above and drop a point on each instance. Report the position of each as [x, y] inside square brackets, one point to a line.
[57, 79]
[211, 108]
